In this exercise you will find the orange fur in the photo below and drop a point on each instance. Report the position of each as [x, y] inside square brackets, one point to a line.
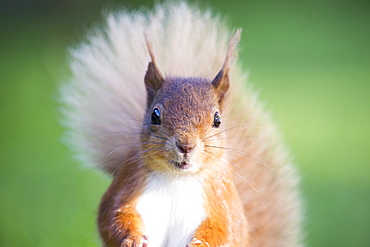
[118, 221]
[226, 224]
[249, 186]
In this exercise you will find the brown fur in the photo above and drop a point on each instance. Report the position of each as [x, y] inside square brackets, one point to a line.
[118, 221]
[188, 106]
[248, 182]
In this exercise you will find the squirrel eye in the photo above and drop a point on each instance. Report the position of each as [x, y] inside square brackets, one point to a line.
[217, 120]
[156, 117]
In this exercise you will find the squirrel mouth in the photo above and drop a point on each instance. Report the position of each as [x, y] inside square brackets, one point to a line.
[183, 165]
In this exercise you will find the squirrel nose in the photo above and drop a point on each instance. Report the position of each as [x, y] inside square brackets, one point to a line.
[185, 147]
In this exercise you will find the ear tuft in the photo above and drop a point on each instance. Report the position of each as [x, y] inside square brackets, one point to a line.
[153, 78]
[221, 82]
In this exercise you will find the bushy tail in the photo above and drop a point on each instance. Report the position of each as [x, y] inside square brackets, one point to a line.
[105, 105]
[105, 99]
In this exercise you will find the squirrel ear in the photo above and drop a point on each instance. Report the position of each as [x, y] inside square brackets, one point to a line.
[221, 82]
[153, 77]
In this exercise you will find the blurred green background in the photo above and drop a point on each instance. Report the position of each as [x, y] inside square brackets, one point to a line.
[310, 61]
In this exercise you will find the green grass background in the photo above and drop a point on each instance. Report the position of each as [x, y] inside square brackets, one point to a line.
[310, 61]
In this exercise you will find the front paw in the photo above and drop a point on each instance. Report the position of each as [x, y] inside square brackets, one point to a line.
[137, 241]
[198, 243]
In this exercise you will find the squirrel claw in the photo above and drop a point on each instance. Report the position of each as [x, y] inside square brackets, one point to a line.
[132, 242]
[144, 241]
[198, 243]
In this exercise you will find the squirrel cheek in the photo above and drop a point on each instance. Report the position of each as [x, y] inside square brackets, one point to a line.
[154, 128]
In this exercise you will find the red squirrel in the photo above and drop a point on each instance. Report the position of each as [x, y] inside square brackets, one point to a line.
[158, 100]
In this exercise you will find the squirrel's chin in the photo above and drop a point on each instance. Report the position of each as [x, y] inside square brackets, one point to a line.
[184, 167]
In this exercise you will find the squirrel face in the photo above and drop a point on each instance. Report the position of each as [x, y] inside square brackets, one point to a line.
[183, 128]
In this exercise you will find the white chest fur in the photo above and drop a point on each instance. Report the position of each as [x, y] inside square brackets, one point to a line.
[171, 208]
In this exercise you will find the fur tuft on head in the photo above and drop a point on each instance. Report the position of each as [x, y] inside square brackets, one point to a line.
[153, 77]
[221, 83]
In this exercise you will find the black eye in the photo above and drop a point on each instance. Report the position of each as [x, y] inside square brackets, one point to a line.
[156, 117]
[217, 120]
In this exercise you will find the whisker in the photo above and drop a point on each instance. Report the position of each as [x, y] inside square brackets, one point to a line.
[94, 184]
[152, 149]
[113, 159]
[143, 155]
[121, 146]
[230, 168]
[104, 163]
[159, 137]
[131, 132]
[246, 154]
[230, 137]
[140, 157]
[205, 137]
[243, 178]
[227, 160]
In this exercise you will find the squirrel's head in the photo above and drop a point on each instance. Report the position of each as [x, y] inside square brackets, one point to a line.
[183, 128]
